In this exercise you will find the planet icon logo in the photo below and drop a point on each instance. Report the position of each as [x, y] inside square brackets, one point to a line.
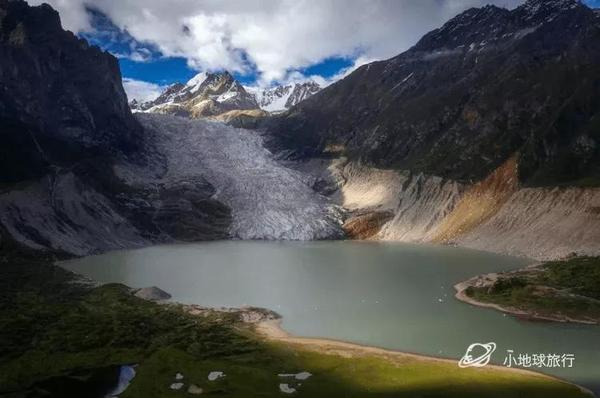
[477, 355]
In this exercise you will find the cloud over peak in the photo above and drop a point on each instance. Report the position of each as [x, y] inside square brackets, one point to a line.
[270, 38]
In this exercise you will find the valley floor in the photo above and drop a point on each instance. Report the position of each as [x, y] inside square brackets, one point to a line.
[53, 326]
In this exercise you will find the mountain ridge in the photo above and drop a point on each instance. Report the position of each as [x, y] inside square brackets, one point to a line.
[214, 94]
[282, 97]
[474, 110]
[206, 94]
[486, 85]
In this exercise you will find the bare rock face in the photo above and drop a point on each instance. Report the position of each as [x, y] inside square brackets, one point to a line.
[301, 92]
[152, 293]
[60, 99]
[494, 214]
[367, 225]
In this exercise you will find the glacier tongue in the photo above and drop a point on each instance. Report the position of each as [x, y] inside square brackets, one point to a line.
[268, 200]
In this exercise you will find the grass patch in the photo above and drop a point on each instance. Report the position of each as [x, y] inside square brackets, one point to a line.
[255, 375]
[580, 275]
[568, 288]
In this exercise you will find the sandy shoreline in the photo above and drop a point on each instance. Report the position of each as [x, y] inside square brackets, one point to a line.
[521, 314]
[272, 330]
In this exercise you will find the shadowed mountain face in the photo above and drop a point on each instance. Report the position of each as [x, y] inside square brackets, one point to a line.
[65, 127]
[488, 84]
[60, 99]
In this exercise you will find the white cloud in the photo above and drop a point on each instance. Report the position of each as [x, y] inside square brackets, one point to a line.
[72, 13]
[272, 36]
[140, 90]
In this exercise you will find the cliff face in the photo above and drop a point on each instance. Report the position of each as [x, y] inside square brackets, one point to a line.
[468, 96]
[65, 126]
[61, 100]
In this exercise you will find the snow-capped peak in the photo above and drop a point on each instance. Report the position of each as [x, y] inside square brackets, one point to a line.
[281, 97]
[195, 82]
[206, 94]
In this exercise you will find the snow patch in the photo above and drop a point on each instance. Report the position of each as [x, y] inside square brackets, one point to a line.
[286, 389]
[195, 82]
[215, 375]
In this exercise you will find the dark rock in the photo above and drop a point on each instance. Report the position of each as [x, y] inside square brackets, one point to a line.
[66, 127]
[61, 100]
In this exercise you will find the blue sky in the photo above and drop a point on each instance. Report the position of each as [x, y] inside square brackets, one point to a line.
[261, 42]
[145, 62]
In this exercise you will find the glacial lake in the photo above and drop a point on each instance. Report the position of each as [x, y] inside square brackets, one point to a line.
[391, 295]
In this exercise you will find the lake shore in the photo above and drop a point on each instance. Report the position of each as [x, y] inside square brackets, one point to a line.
[272, 330]
[487, 280]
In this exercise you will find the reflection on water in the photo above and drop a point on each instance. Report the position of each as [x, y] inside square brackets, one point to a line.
[396, 296]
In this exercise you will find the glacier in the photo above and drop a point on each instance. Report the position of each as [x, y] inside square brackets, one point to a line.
[268, 200]
[195, 180]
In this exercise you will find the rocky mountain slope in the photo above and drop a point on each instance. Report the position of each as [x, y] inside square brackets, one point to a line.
[488, 84]
[206, 94]
[80, 174]
[485, 134]
[282, 97]
[495, 214]
[65, 127]
[425, 147]
[61, 101]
